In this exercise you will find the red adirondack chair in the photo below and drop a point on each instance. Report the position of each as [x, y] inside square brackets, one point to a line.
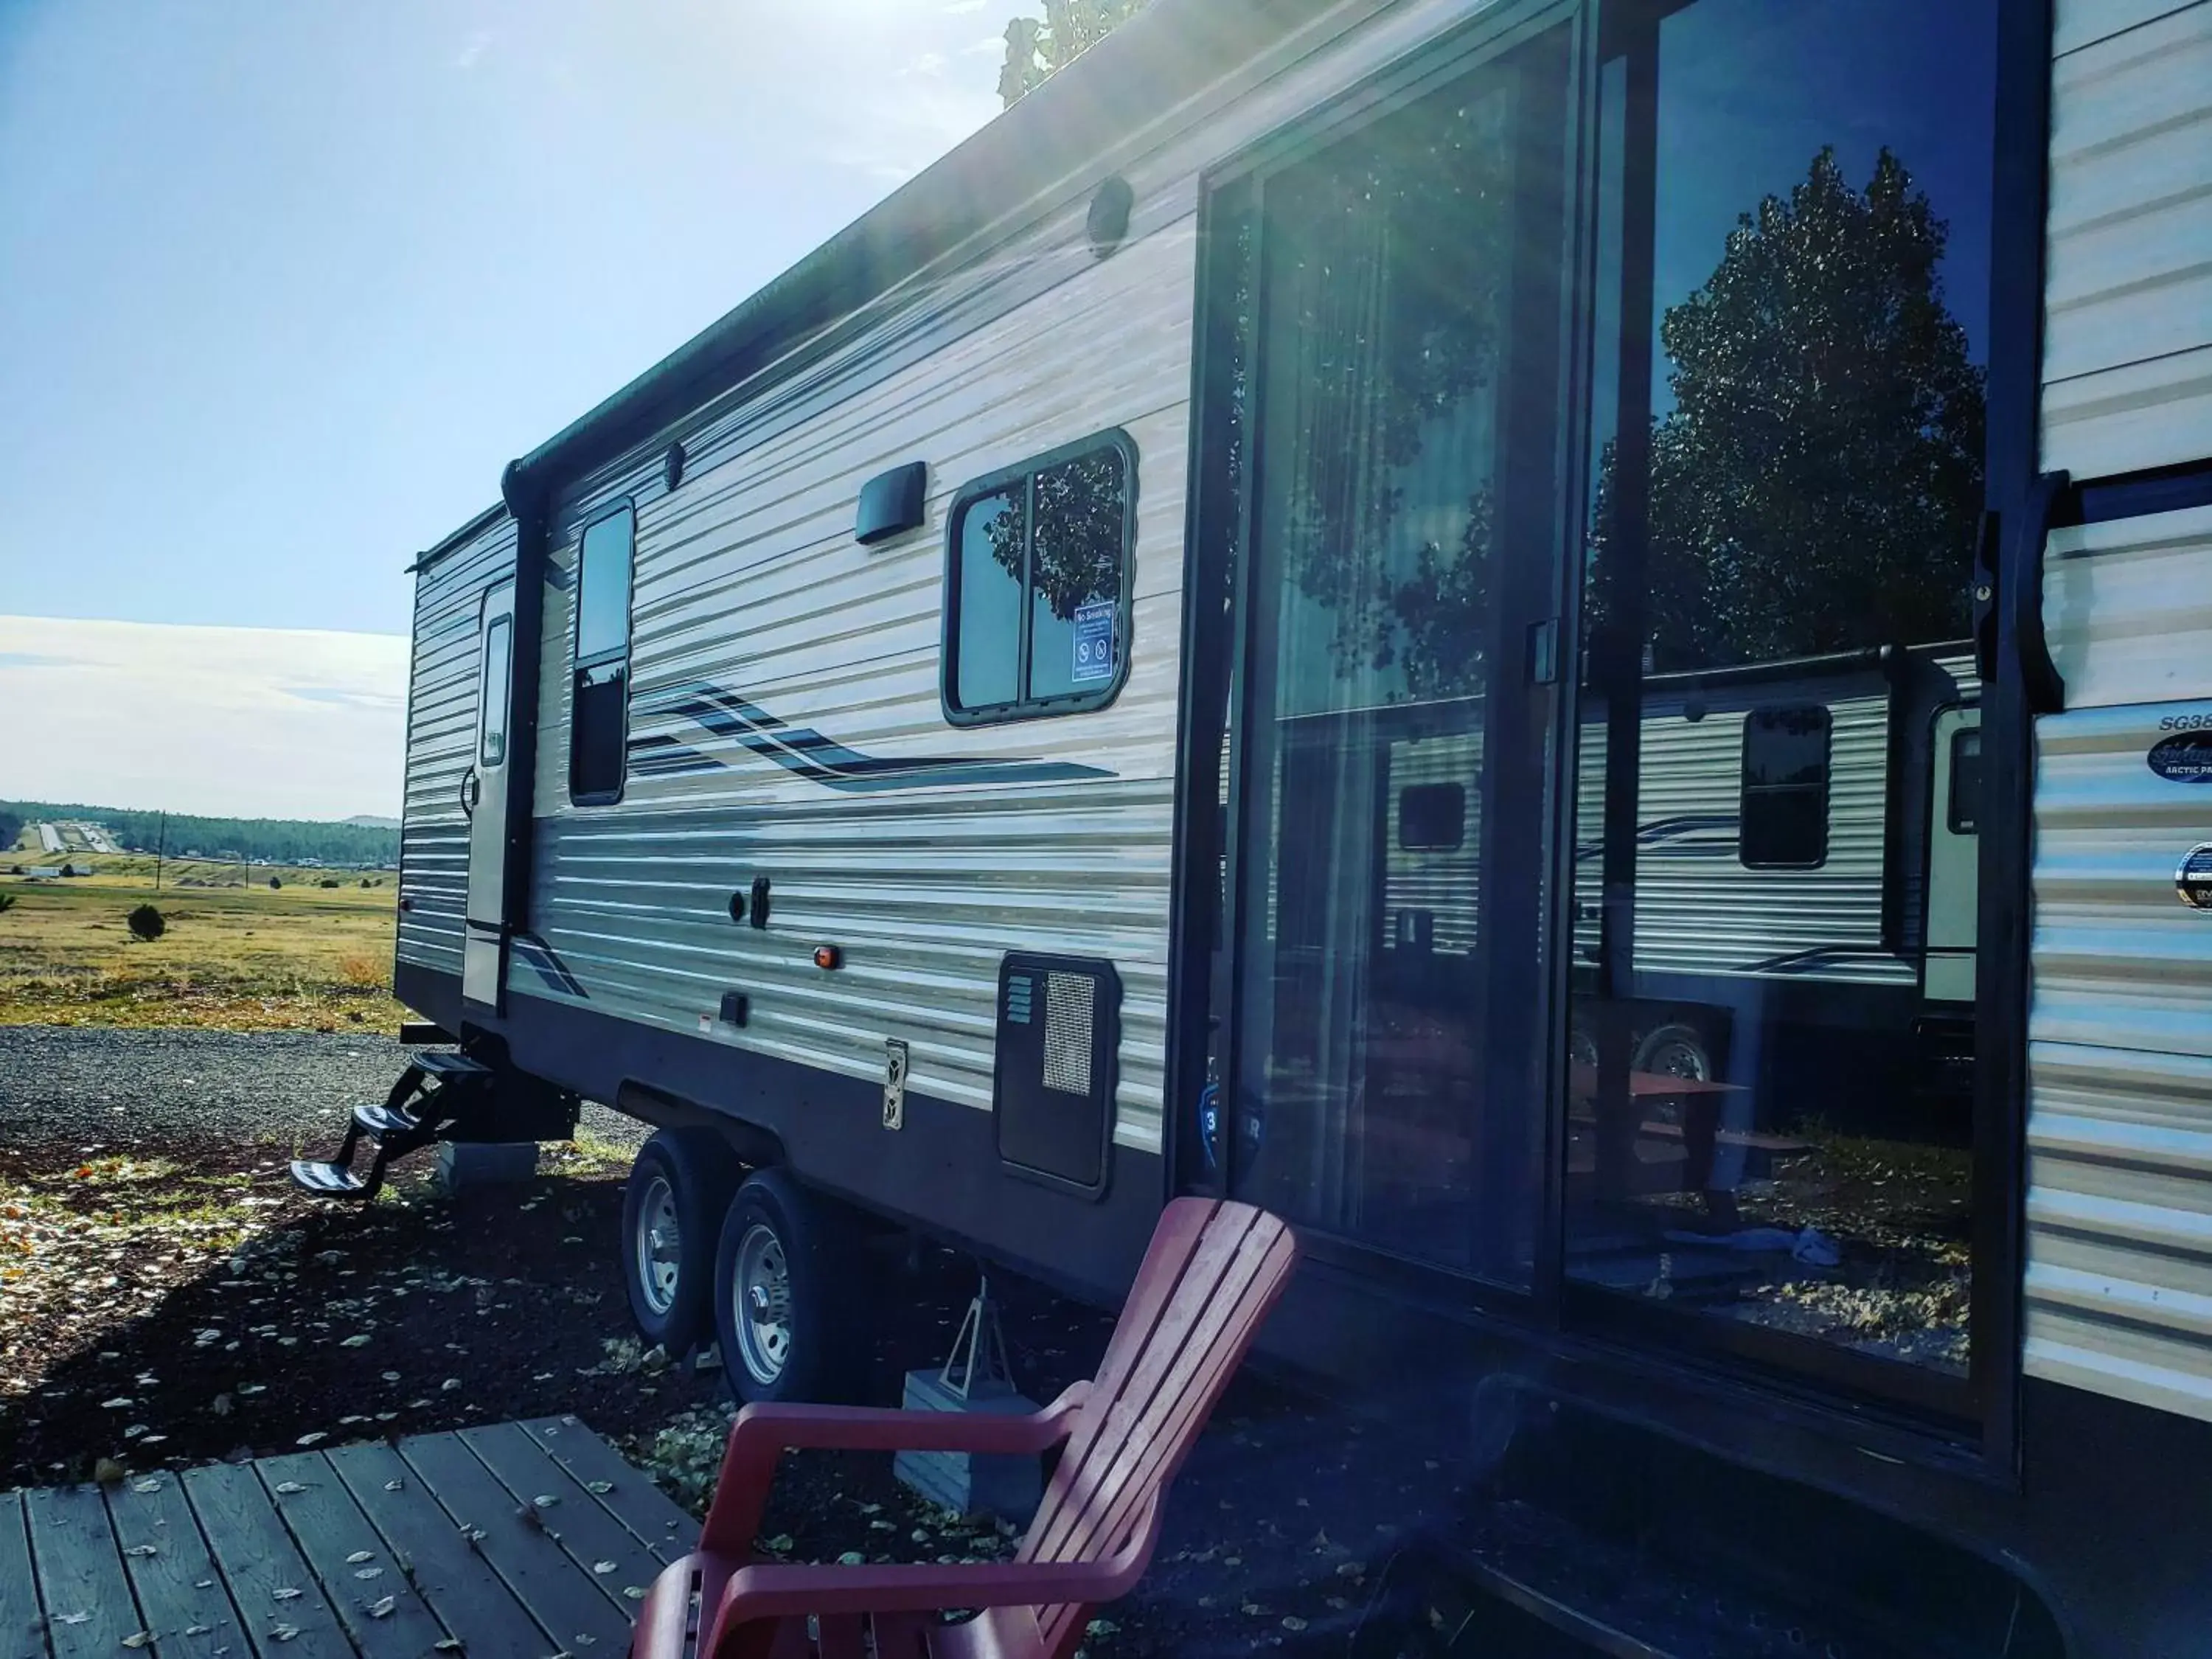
[1209, 1279]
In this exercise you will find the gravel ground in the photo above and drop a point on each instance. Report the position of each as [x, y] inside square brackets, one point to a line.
[133, 1339]
[171, 1299]
[110, 1087]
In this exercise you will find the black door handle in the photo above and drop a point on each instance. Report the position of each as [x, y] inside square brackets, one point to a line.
[471, 792]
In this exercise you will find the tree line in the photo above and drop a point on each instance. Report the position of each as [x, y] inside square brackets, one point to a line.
[280, 840]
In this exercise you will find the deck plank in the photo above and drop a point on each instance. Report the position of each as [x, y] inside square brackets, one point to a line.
[468, 1598]
[195, 1559]
[22, 1626]
[258, 1557]
[79, 1569]
[330, 1529]
[651, 1517]
[179, 1590]
[589, 1534]
[532, 1566]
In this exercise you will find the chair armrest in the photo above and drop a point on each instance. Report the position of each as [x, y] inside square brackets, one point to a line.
[762, 1432]
[755, 1594]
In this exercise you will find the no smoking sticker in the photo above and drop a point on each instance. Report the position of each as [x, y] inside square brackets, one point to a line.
[1094, 641]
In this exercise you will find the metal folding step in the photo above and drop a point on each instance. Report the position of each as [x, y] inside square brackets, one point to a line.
[432, 1096]
[330, 1179]
[379, 1121]
[443, 1094]
[449, 1062]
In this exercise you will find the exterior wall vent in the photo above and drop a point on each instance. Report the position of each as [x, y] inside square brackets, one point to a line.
[1052, 1093]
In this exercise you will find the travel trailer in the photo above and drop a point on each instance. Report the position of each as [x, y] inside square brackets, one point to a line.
[1564, 639]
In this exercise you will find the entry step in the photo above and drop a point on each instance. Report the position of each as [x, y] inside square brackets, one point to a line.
[380, 1121]
[331, 1179]
[449, 1062]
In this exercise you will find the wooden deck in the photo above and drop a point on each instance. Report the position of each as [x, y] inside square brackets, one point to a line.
[515, 1541]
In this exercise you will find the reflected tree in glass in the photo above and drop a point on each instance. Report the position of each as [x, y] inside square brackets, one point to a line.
[1817, 485]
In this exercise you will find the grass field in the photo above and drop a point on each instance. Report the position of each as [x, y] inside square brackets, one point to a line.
[241, 957]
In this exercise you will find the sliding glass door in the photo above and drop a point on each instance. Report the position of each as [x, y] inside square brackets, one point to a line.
[1591, 466]
[1401, 297]
[1770, 1093]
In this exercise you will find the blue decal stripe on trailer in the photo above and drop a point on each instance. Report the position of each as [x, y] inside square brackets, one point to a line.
[1669, 833]
[547, 962]
[814, 756]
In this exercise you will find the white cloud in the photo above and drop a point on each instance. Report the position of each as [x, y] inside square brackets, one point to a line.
[258, 722]
[475, 48]
[930, 62]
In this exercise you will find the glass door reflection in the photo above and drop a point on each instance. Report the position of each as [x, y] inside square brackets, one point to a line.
[1405, 312]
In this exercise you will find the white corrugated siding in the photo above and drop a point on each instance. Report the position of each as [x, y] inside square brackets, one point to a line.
[2119, 1205]
[442, 717]
[1699, 910]
[2128, 608]
[2127, 361]
[748, 579]
[1446, 882]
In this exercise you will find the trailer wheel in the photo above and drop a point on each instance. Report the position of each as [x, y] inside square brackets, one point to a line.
[790, 1306]
[1676, 1048]
[679, 1186]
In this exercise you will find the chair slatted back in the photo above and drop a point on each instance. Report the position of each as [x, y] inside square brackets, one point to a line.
[1213, 1272]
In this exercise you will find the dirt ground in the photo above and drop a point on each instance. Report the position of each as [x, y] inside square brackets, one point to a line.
[170, 1300]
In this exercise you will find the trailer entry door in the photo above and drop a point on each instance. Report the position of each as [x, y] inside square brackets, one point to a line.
[484, 796]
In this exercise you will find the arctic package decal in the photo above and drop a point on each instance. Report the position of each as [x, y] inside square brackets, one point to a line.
[812, 756]
[2185, 757]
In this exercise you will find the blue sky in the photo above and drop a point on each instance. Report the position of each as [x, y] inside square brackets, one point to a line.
[288, 283]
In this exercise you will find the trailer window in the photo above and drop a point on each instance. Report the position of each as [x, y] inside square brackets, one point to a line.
[1431, 817]
[492, 694]
[1784, 810]
[598, 704]
[1036, 577]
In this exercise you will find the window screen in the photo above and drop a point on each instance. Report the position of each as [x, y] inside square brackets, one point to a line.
[599, 713]
[1038, 585]
[493, 693]
[1785, 788]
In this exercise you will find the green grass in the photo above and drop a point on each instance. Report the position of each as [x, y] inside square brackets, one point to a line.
[297, 957]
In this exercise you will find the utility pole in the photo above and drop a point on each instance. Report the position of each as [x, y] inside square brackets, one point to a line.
[160, 846]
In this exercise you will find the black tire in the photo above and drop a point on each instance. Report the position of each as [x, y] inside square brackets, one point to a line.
[690, 1173]
[815, 1346]
[1676, 1048]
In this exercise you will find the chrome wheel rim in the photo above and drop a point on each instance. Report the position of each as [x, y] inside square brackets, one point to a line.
[1679, 1057]
[657, 1245]
[761, 1291]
